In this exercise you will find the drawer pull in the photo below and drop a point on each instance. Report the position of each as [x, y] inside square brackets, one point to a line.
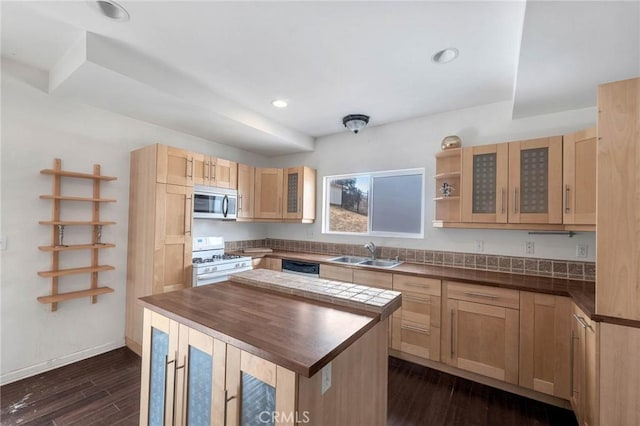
[416, 299]
[416, 329]
[486, 296]
[417, 285]
[581, 321]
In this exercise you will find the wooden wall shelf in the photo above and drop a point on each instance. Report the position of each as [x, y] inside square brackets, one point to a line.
[57, 246]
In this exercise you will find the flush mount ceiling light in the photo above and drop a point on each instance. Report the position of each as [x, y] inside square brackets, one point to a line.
[355, 122]
[445, 56]
[279, 103]
[109, 9]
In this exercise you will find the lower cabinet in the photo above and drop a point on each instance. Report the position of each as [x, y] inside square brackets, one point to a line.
[545, 327]
[191, 378]
[337, 273]
[584, 368]
[480, 330]
[416, 326]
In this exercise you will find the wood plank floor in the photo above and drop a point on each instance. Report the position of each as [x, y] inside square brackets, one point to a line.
[105, 390]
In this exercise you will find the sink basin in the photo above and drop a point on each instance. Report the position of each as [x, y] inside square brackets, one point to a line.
[380, 263]
[347, 259]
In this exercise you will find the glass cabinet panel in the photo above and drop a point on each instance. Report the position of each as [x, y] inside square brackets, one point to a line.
[534, 180]
[199, 387]
[292, 193]
[484, 183]
[258, 401]
[158, 376]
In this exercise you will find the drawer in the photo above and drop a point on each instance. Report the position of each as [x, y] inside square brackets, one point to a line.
[373, 279]
[484, 294]
[416, 339]
[421, 309]
[337, 273]
[416, 284]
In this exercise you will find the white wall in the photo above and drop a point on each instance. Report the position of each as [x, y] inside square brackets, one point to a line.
[413, 143]
[36, 128]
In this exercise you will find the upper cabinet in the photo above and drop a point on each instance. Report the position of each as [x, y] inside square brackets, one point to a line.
[484, 183]
[299, 201]
[579, 177]
[535, 180]
[268, 193]
[246, 176]
[213, 171]
[174, 166]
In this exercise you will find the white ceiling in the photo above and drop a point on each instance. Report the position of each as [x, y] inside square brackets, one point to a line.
[212, 68]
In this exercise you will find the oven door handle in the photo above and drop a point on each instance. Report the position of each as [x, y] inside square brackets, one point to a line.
[211, 275]
[225, 206]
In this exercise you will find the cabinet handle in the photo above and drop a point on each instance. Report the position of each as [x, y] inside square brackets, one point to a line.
[214, 172]
[190, 175]
[416, 329]
[416, 299]
[206, 170]
[279, 204]
[175, 386]
[581, 321]
[486, 296]
[571, 357]
[567, 209]
[226, 401]
[239, 202]
[410, 284]
[515, 200]
[452, 336]
[502, 197]
[187, 216]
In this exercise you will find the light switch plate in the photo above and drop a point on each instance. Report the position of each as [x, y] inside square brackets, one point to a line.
[582, 250]
[479, 246]
[529, 247]
[326, 378]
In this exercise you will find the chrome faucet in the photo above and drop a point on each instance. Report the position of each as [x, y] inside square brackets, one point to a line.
[372, 249]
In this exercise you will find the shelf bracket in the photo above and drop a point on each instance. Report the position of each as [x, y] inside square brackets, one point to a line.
[567, 233]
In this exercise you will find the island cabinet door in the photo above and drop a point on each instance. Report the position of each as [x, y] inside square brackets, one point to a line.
[159, 350]
[259, 392]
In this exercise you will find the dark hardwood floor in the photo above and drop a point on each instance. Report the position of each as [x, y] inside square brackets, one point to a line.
[105, 390]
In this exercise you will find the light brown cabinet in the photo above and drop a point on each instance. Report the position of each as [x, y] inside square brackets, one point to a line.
[299, 201]
[273, 264]
[480, 330]
[545, 324]
[338, 273]
[584, 382]
[416, 326]
[159, 248]
[618, 186]
[517, 182]
[213, 171]
[246, 176]
[268, 193]
[172, 165]
[579, 177]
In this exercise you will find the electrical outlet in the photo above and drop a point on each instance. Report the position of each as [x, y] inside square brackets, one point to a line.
[479, 245]
[529, 247]
[326, 378]
[582, 250]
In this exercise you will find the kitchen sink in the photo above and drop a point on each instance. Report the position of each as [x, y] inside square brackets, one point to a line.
[380, 263]
[348, 259]
[365, 262]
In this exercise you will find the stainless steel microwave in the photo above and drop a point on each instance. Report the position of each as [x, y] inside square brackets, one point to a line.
[214, 203]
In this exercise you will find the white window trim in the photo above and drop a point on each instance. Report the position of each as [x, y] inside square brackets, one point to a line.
[372, 175]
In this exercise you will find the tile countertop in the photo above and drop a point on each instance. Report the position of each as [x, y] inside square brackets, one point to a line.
[582, 292]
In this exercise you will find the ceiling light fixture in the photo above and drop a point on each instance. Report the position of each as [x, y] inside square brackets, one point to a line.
[355, 122]
[279, 103]
[445, 56]
[109, 9]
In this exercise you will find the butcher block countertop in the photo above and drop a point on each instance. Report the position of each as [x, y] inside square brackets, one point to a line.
[295, 332]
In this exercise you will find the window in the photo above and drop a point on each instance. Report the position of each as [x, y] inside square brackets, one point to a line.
[389, 203]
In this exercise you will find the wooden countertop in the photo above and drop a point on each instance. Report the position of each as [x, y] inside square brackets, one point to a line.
[299, 334]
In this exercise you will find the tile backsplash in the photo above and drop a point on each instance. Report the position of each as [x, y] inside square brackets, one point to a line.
[516, 265]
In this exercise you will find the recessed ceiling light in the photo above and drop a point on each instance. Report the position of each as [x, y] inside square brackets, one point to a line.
[109, 9]
[445, 56]
[279, 103]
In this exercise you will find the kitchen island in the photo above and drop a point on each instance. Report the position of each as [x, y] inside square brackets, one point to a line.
[273, 349]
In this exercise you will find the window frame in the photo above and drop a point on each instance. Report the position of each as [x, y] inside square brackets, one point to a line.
[371, 199]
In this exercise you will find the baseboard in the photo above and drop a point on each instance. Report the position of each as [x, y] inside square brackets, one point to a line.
[528, 393]
[33, 370]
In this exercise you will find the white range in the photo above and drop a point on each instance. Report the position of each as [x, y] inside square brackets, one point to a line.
[211, 264]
